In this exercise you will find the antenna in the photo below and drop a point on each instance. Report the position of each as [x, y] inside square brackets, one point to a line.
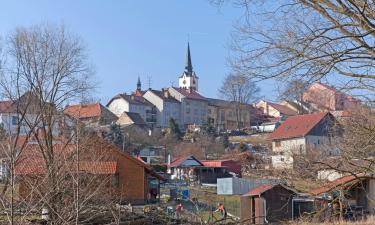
[172, 83]
[149, 80]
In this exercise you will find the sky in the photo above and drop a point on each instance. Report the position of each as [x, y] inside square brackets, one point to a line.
[126, 39]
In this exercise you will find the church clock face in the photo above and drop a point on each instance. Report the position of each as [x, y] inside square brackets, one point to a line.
[184, 82]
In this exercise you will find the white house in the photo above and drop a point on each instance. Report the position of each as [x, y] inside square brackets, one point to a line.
[298, 134]
[167, 107]
[12, 119]
[136, 104]
[194, 107]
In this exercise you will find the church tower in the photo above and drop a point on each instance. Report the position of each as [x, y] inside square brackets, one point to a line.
[188, 79]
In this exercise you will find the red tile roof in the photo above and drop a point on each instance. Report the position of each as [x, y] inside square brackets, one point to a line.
[230, 165]
[190, 93]
[337, 183]
[260, 189]
[298, 126]
[84, 111]
[283, 109]
[98, 167]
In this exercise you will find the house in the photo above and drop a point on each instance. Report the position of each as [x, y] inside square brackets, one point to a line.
[135, 104]
[267, 203]
[327, 98]
[194, 106]
[274, 110]
[24, 113]
[298, 134]
[131, 119]
[231, 166]
[166, 106]
[93, 115]
[125, 178]
[356, 192]
[228, 115]
[152, 154]
[192, 170]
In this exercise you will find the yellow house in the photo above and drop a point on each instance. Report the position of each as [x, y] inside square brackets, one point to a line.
[226, 115]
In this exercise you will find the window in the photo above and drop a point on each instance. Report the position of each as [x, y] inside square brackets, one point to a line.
[230, 114]
[282, 159]
[277, 143]
[14, 120]
[209, 111]
[195, 111]
[187, 110]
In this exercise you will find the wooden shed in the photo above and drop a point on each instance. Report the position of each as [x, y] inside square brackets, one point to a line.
[267, 203]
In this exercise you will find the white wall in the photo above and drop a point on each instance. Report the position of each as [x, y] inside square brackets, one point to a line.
[282, 161]
[118, 106]
[290, 145]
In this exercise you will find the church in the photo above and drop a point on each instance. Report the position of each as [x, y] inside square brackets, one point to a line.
[184, 104]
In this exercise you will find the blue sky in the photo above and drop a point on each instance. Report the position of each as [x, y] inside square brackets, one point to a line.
[127, 39]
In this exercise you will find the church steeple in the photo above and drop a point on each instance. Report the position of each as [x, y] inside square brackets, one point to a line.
[139, 84]
[188, 79]
[188, 66]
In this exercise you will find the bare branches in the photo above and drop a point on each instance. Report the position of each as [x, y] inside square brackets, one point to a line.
[313, 39]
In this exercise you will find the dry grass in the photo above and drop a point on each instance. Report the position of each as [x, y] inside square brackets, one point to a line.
[369, 221]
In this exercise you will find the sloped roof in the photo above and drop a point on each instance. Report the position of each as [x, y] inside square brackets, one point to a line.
[339, 182]
[282, 109]
[82, 111]
[131, 99]
[298, 126]
[178, 162]
[98, 167]
[265, 187]
[162, 96]
[135, 117]
[190, 93]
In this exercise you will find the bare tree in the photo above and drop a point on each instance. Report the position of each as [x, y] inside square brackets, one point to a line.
[240, 90]
[315, 39]
[44, 67]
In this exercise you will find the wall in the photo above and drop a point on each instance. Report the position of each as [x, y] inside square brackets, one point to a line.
[287, 145]
[118, 106]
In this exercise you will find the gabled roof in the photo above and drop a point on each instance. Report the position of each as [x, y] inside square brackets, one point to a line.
[265, 187]
[339, 183]
[131, 99]
[82, 111]
[135, 117]
[190, 93]
[180, 161]
[282, 109]
[162, 96]
[298, 126]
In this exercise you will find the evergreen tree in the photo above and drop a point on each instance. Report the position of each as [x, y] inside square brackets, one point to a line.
[174, 129]
[115, 136]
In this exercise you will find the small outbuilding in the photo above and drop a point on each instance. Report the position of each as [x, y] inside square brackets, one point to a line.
[267, 203]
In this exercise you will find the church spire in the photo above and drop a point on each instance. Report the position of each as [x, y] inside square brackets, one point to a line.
[188, 66]
[139, 84]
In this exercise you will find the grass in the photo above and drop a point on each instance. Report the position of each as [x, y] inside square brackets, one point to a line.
[369, 221]
[259, 139]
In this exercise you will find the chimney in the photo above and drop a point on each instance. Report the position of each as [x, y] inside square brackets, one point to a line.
[166, 93]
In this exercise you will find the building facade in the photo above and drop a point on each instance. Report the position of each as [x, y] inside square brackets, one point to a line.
[166, 106]
[136, 104]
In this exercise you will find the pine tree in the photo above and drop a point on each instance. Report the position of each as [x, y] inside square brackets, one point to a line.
[115, 136]
[175, 130]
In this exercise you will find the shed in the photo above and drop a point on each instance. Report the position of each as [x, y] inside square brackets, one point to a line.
[267, 203]
[239, 186]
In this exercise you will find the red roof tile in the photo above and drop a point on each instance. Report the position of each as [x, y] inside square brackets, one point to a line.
[230, 165]
[337, 183]
[298, 126]
[98, 167]
[190, 93]
[84, 111]
[260, 189]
